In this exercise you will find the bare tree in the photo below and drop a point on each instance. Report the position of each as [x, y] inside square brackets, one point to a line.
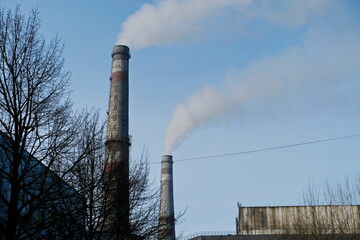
[144, 202]
[331, 213]
[88, 178]
[51, 159]
[38, 129]
[86, 175]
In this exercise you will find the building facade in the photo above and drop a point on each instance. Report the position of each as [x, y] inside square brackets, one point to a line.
[48, 208]
[319, 219]
[319, 222]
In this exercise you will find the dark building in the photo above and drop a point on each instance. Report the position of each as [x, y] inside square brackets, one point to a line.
[49, 208]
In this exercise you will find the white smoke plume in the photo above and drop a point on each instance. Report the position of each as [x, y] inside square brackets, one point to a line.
[323, 59]
[199, 109]
[179, 21]
[329, 52]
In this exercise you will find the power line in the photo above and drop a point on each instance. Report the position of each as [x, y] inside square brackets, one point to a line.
[265, 149]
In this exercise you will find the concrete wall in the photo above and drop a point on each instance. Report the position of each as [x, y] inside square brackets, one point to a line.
[235, 237]
[298, 219]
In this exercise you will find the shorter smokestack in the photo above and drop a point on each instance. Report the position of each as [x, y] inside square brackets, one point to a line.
[167, 219]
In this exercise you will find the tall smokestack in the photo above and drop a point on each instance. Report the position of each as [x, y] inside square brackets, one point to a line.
[116, 179]
[167, 219]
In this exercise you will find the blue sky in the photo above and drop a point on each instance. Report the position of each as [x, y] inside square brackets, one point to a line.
[216, 77]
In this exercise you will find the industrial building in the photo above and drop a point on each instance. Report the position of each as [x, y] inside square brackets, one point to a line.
[294, 223]
[319, 219]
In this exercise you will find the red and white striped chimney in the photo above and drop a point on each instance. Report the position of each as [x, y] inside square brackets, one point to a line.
[167, 218]
[116, 177]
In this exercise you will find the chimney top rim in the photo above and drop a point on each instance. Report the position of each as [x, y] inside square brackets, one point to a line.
[167, 158]
[121, 49]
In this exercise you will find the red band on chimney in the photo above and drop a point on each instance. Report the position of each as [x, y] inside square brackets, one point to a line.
[166, 170]
[119, 76]
[113, 166]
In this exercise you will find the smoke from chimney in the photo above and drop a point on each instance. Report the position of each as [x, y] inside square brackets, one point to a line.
[267, 80]
[328, 52]
[181, 21]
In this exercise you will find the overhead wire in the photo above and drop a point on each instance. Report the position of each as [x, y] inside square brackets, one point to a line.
[264, 149]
